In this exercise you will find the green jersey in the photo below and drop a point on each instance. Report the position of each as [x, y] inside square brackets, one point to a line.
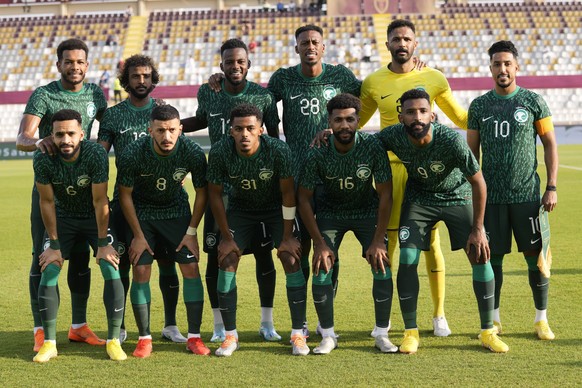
[46, 100]
[437, 171]
[158, 193]
[254, 181]
[216, 107]
[72, 181]
[348, 191]
[305, 100]
[508, 140]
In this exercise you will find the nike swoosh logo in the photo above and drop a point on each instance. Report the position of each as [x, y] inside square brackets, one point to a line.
[383, 97]
[118, 310]
[57, 183]
[405, 162]
[535, 241]
[35, 274]
[125, 130]
[266, 244]
[146, 174]
[486, 118]
[488, 296]
[223, 309]
[266, 273]
[172, 286]
[436, 270]
[294, 97]
[190, 256]
[330, 177]
[382, 300]
[233, 177]
[405, 298]
[215, 114]
[44, 309]
[83, 274]
[541, 285]
[298, 301]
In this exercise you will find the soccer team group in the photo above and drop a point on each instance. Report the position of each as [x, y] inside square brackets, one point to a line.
[300, 195]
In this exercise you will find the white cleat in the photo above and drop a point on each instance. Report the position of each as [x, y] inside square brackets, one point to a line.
[375, 332]
[441, 327]
[228, 347]
[173, 334]
[268, 333]
[218, 335]
[326, 345]
[299, 345]
[122, 336]
[318, 331]
[383, 343]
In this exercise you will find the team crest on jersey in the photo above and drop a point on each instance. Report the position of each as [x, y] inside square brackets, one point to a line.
[404, 233]
[46, 245]
[329, 92]
[83, 180]
[363, 172]
[265, 174]
[91, 109]
[210, 240]
[520, 115]
[180, 174]
[437, 167]
[120, 248]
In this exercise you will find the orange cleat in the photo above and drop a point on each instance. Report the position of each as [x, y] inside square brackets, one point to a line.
[196, 346]
[38, 340]
[143, 348]
[85, 334]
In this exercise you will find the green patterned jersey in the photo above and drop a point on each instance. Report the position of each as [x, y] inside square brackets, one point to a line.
[437, 171]
[216, 107]
[72, 181]
[254, 181]
[46, 100]
[158, 193]
[305, 100]
[348, 191]
[508, 142]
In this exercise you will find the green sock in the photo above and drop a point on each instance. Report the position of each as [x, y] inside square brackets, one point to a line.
[296, 297]
[227, 298]
[497, 266]
[408, 287]
[382, 290]
[266, 275]
[79, 281]
[48, 299]
[484, 288]
[113, 298]
[322, 290]
[539, 284]
[140, 295]
[170, 288]
[193, 294]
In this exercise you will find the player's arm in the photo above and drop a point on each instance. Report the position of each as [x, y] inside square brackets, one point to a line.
[190, 239]
[289, 243]
[451, 107]
[105, 250]
[139, 243]
[550, 197]
[474, 142]
[227, 244]
[477, 238]
[377, 253]
[193, 124]
[323, 256]
[25, 141]
[49, 217]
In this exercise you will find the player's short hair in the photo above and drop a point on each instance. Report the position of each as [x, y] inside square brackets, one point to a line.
[246, 110]
[414, 94]
[137, 60]
[164, 113]
[308, 27]
[344, 101]
[66, 115]
[503, 46]
[398, 23]
[233, 44]
[71, 44]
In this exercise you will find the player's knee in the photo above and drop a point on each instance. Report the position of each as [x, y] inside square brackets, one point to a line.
[230, 263]
[141, 273]
[290, 264]
[190, 270]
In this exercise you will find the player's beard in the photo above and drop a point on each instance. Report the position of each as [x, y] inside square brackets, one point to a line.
[399, 59]
[71, 155]
[417, 134]
[163, 150]
[69, 79]
[343, 140]
[235, 82]
[140, 94]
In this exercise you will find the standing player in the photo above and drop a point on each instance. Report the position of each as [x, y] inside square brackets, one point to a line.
[258, 169]
[443, 175]
[150, 177]
[214, 112]
[382, 90]
[88, 100]
[121, 125]
[72, 187]
[505, 122]
[348, 166]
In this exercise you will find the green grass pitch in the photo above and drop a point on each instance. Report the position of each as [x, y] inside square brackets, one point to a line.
[456, 360]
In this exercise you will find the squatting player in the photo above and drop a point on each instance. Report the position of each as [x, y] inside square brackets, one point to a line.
[151, 193]
[506, 122]
[443, 176]
[121, 125]
[214, 112]
[72, 186]
[87, 99]
[382, 90]
[258, 170]
[348, 166]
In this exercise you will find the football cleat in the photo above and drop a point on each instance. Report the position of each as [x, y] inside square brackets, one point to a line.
[122, 336]
[268, 333]
[47, 351]
[326, 345]
[410, 342]
[228, 347]
[85, 334]
[491, 341]
[498, 328]
[383, 343]
[299, 345]
[543, 331]
[319, 332]
[218, 335]
[441, 327]
[38, 340]
[114, 350]
[173, 334]
[196, 346]
[143, 348]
